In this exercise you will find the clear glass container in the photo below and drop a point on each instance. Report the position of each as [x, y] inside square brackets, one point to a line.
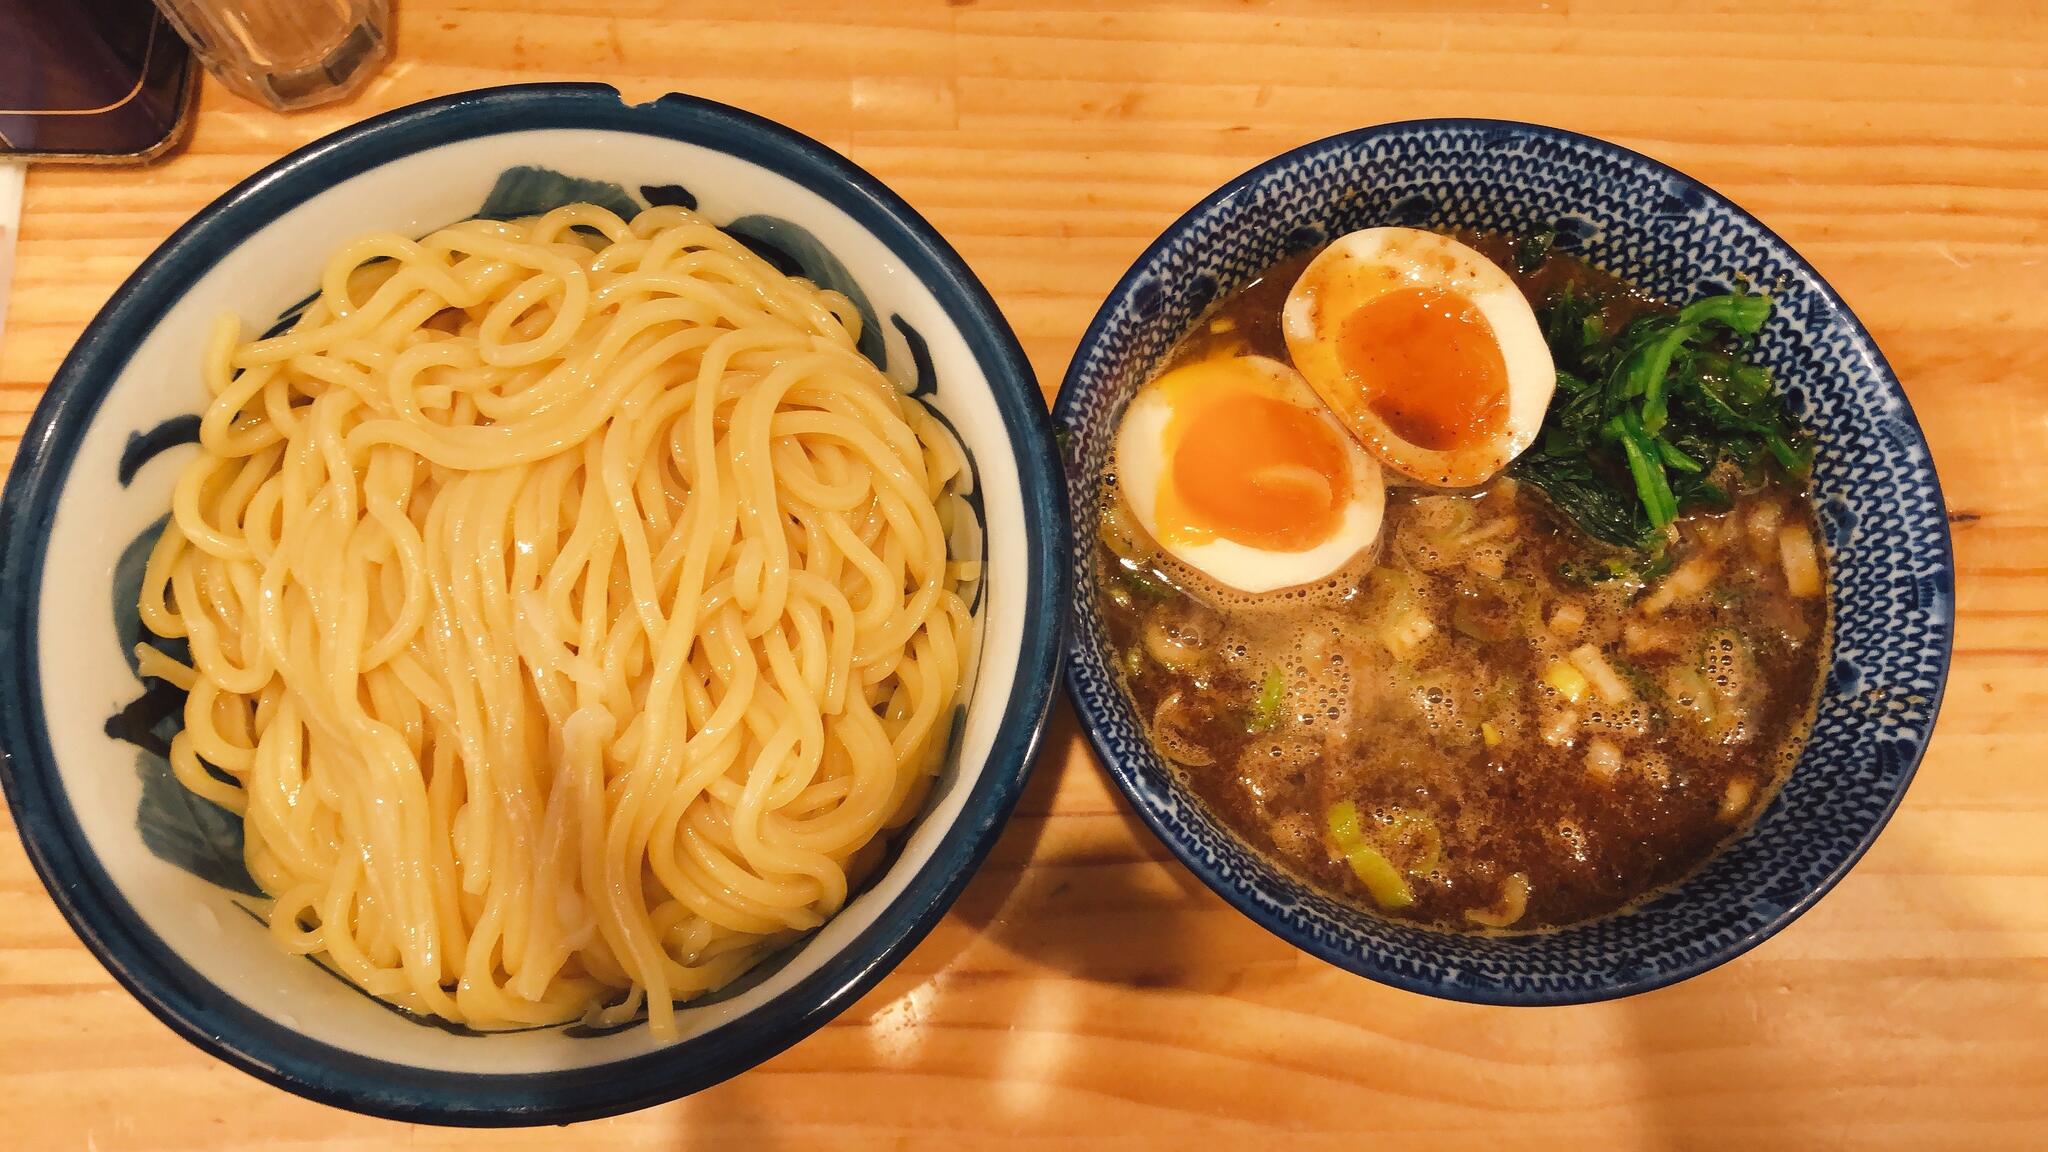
[286, 53]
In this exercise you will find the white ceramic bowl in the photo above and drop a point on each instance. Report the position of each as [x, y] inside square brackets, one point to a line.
[152, 878]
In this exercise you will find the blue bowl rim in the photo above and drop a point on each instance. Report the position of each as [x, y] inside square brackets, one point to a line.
[1235, 891]
[221, 1025]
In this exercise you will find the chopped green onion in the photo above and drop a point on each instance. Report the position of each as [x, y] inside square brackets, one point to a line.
[1384, 882]
[1343, 821]
[1265, 713]
[1144, 585]
[1389, 889]
[1567, 681]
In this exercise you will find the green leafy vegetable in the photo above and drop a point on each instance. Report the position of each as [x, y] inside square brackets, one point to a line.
[1645, 416]
[1645, 465]
[1601, 510]
[1533, 249]
[1384, 882]
[1673, 458]
[1642, 568]
[1265, 713]
[1645, 688]
[1573, 329]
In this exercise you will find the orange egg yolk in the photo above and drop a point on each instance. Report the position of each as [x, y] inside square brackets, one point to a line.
[1426, 362]
[1254, 469]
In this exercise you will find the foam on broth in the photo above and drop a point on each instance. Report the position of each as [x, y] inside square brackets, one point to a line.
[1504, 805]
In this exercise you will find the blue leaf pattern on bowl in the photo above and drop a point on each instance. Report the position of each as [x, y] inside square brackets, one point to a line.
[290, 316]
[795, 252]
[962, 544]
[675, 194]
[530, 190]
[142, 447]
[176, 825]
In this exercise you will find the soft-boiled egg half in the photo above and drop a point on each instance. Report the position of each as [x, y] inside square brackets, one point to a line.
[1237, 469]
[1426, 350]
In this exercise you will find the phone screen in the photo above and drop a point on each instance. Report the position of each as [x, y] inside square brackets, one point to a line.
[90, 79]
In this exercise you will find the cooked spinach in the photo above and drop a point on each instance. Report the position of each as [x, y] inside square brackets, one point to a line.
[1647, 415]
[1532, 250]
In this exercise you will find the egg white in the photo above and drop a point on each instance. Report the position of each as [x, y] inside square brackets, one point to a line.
[1327, 293]
[1141, 460]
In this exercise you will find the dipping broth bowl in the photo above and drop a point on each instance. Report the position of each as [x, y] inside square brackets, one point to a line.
[1874, 489]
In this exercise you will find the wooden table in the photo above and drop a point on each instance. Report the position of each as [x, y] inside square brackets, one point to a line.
[1086, 987]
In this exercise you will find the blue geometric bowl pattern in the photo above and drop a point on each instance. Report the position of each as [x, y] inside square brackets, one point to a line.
[1880, 507]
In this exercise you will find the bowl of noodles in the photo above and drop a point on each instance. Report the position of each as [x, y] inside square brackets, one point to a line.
[528, 606]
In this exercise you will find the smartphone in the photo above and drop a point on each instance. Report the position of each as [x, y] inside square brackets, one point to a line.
[92, 81]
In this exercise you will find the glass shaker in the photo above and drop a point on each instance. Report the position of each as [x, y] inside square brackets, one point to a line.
[286, 53]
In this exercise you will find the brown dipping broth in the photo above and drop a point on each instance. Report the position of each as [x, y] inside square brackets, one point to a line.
[1502, 805]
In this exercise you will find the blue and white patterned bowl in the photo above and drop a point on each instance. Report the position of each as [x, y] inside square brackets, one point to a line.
[1879, 502]
[151, 877]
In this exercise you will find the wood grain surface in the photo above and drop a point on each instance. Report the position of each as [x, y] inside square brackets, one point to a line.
[1086, 989]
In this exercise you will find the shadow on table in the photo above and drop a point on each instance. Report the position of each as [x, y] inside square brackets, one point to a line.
[1101, 899]
[1797, 1045]
[1092, 896]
